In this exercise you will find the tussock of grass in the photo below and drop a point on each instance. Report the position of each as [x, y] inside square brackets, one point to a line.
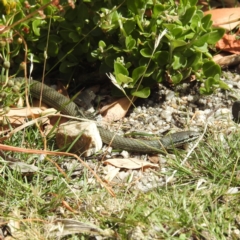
[198, 204]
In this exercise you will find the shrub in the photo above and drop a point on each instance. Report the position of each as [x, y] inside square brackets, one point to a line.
[139, 41]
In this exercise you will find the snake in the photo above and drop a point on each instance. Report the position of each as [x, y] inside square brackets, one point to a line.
[61, 103]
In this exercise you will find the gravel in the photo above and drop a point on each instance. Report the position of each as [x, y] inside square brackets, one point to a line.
[174, 110]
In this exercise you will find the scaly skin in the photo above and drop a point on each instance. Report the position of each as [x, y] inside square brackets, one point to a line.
[67, 107]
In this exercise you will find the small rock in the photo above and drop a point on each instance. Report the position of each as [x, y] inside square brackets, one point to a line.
[165, 114]
[125, 154]
[169, 95]
[89, 143]
[190, 98]
[222, 112]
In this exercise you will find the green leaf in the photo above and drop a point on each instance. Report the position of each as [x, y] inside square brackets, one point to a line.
[177, 31]
[176, 78]
[184, 2]
[72, 58]
[74, 36]
[204, 91]
[186, 18]
[143, 93]
[143, 61]
[193, 59]
[101, 44]
[217, 77]
[52, 49]
[65, 67]
[169, 26]
[201, 40]
[123, 78]
[158, 75]
[215, 35]
[210, 69]
[179, 61]
[157, 10]
[146, 52]
[82, 14]
[36, 26]
[119, 68]
[130, 42]
[195, 23]
[151, 68]
[202, 49]
[209, 82]
[193, 2]
[71, 64]
[177, 43]
[138, 73]
[71, 14]
[115, 17]
[110, 60]
[64, 35]
[139, 23]
[128, 65]
[223, 85]
[129, 26]
[136, 5]
[55, 38]
[206, 21]
[186, 73]
[161, 58]
[190, 35]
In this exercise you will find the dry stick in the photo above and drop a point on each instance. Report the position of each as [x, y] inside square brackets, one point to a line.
[27, 150]
[27, 88]
[156, 44]
[44, 63]
[27, 92]
[25, 57]
[10, 148]
[25, 18]
[57, 166]
[35, 120]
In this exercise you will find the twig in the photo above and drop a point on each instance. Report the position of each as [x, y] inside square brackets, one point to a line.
[35, 151]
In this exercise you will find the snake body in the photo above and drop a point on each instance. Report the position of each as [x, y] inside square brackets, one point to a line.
[67, 107]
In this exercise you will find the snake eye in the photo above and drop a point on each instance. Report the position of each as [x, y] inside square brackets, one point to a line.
[194, 135]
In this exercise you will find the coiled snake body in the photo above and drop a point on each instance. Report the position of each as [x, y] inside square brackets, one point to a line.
[67, 107]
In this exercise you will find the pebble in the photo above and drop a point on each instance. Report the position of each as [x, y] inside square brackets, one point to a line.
[221, 112]
[125, 154]
[123, 175]
[169, 95]
[179, 111]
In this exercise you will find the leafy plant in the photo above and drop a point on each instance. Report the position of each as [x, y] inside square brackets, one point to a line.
[182, 52]
[119, 37]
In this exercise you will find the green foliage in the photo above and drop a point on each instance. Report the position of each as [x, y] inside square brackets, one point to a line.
[122, 37]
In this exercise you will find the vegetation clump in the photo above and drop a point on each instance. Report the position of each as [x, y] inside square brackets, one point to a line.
[139, 42]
